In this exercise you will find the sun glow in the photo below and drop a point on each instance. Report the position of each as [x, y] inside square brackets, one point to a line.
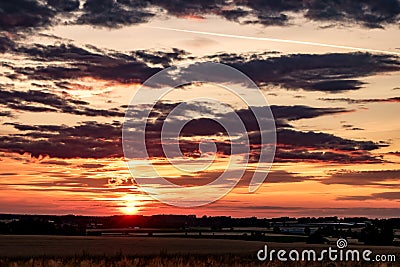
[130, 209]
[129, 204]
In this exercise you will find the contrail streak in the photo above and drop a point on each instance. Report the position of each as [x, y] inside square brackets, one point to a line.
[279, 40]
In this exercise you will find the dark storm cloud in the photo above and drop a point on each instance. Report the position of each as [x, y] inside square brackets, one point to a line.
[203, 126]
[354, 198]
[114, 14]
[351, 127]
[263, 12]
[116, 70]
[292, 145]
[25, 15]
[369, 13]
[299, 155]
[387, 195]
[6, 44]
[96, 140]
[207, 126]
[204, 178]
[89, 61]
[336, 85]
[283, 114]
[181, 7]
[71, 53]
[5, 113]
[39, 101]
[384, 178]
[12, 96]
[335, 72]
[161, 58]
[86, 140]
[60, 52]
[319, 140]
[63, 5]
[55, 162]
[296, 146]
[92, 165]
[298, 112]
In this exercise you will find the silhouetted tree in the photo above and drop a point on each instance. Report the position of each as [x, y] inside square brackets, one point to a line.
[307, 230]
[372, 234]
[316, 238]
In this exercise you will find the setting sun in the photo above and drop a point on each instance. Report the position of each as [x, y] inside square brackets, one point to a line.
[130, 204]
[130, 210]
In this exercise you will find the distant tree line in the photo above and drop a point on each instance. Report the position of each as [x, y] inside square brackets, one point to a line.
[373, 232]
[376, 232]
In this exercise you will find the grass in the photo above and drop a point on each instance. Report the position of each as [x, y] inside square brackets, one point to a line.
[170, 261]
[59, 251]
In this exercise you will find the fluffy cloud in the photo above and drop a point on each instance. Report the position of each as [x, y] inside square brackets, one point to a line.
[384, 178]
[89, 61]
[40, 101]
[102, 140]
[86, 140]
[331, 73]
[335, 72]
[25, 15]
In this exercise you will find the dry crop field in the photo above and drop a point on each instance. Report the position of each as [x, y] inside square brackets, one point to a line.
[58, 251]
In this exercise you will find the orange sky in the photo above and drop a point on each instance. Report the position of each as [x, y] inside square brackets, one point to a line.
[65, 90]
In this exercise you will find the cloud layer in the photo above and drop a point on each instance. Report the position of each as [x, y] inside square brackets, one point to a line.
[26, 15]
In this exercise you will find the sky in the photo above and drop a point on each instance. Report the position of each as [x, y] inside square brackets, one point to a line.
[329, 72]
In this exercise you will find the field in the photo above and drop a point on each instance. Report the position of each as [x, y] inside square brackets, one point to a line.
[173, 261]
[26, 246]
[60, 251]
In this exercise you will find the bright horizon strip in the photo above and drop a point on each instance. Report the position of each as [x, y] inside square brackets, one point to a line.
[278, 40]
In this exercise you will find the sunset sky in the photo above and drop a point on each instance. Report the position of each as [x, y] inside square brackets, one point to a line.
[330, 71]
